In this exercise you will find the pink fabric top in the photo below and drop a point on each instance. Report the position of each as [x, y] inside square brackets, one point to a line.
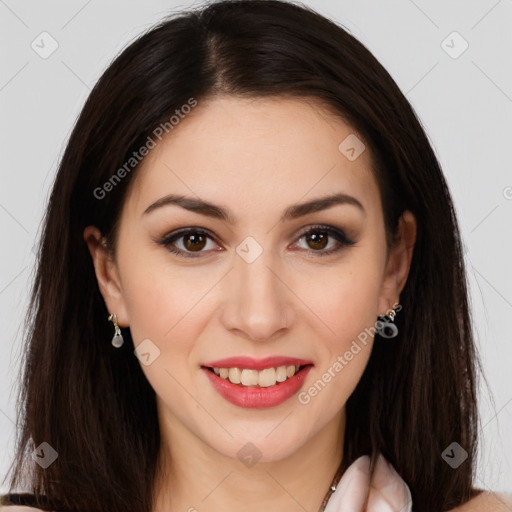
[388, 492]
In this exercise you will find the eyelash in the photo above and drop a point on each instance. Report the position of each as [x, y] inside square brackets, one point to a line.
[331, 231]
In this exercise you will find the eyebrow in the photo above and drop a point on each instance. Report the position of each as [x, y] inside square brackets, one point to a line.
[217, 212]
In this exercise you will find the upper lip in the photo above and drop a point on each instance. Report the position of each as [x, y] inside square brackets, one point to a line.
[256, 364]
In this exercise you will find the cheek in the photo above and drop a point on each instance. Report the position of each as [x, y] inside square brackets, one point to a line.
[344, 302]
[343, 359]
[161, 307]
[160, 297]
[162, 304]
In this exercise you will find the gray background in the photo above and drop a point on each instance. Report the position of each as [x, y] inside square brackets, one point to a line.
[464, 103]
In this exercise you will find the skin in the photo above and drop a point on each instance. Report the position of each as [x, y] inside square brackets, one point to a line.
[244, 154]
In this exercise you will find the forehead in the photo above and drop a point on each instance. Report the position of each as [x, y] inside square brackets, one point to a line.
[263, 150]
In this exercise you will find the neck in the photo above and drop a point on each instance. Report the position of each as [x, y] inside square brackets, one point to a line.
[194, 477]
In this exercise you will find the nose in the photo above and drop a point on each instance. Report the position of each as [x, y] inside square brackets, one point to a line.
[258, 303]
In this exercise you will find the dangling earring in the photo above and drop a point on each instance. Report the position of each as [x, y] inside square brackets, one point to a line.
[117, 340]
[385, 327]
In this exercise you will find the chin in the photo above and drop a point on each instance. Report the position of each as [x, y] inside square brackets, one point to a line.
[262, 445]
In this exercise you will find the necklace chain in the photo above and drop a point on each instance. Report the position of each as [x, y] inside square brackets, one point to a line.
[332, 488]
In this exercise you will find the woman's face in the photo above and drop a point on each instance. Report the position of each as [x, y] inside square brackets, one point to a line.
[251, 282]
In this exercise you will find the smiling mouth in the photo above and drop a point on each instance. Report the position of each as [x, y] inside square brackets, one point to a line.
[245, 377]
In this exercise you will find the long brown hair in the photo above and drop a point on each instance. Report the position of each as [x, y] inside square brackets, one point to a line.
[93, 404]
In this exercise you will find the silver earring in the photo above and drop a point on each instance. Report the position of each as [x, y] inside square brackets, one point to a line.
[385, 327]
[117, 340]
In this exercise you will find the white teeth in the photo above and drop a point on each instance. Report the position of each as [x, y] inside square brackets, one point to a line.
[264, 378]
[281, 374]
[267, 377]
[249, 377]
[235, 375]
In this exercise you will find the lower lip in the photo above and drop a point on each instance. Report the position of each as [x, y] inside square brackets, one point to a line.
[256, 397]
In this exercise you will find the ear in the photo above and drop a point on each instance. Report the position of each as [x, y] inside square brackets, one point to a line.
[399, 263]
[107, 274]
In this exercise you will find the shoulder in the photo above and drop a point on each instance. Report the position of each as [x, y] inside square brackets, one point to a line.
[19, 508]
[488, 502]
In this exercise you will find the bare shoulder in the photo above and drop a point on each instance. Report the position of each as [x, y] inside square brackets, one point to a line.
[487, 502]
[18, 508]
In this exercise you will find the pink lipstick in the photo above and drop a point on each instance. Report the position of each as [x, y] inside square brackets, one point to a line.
[256, 396]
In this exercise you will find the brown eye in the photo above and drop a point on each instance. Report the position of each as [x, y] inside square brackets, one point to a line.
[194, 242]
[317, 241]
[188, 243]
[318, 238]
